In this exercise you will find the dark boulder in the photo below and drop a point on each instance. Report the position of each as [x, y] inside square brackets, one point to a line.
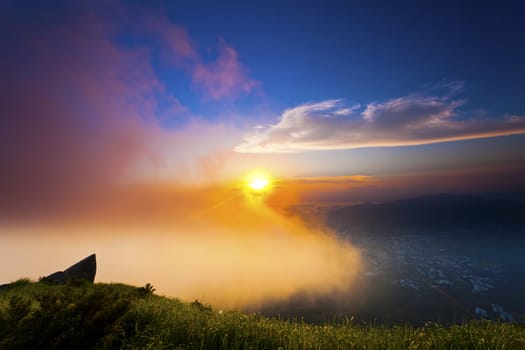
[84, 269]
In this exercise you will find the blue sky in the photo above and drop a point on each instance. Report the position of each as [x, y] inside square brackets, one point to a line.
[368, 51]
[193, 91]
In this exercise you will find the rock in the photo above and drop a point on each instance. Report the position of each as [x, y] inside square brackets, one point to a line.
[84, 269]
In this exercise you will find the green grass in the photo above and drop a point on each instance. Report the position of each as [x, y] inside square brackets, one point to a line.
[84, 316]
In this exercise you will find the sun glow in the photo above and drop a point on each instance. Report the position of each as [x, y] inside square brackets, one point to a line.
[258, 181]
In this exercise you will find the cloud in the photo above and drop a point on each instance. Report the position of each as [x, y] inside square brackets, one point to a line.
[86, 167]
[72, 105]
[174, 39]
[409, 120]
[81, 113]
[224, 78]
[333, 190]
[211, 244]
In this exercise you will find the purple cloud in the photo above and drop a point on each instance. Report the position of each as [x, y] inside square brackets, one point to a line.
[80, 114]
[224, 78]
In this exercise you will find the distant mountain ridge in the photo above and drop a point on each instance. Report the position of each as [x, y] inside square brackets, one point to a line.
[440, 211]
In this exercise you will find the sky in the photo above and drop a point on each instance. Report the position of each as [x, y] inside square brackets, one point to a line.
[204, 92]
[127, 112]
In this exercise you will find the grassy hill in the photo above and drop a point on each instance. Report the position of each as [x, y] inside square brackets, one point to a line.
[84, 316]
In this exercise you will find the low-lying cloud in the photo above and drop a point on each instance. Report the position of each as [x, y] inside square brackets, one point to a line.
[409, 120]
[88, 166]
[221, 245]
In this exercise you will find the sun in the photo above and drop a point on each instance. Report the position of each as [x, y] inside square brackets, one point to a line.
[258, 181]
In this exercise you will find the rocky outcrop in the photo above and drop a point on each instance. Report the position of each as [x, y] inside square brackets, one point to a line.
[84, 269]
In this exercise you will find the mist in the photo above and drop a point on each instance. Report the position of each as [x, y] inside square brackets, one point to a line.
[90, 164]
[222, 246]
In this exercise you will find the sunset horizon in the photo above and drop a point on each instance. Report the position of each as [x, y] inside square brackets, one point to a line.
[306, 159]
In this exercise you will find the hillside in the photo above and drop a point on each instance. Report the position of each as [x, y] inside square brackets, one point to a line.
[442, 211]
[104, 316]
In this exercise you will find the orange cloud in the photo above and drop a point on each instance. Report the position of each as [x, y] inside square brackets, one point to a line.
[311, 190]
[338, 190]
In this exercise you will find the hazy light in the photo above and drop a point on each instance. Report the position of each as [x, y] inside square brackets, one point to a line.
[211, 243]
[259, 183]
